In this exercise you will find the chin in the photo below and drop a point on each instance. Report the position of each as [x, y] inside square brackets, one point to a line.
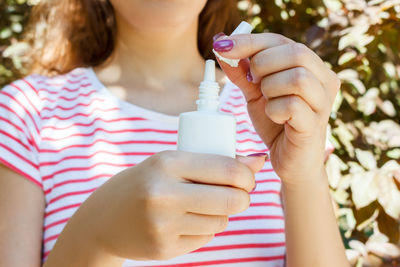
[156, 15]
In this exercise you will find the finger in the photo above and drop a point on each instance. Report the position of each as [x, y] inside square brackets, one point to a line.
[246, 45]
[255, 163]
[289, 56]
[240, 75]
[199, 224]
[297, 81]
[292, 110]
[206, 168]
[213, 200]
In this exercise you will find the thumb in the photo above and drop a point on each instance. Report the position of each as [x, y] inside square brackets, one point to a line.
[242, 78]
[254, 161]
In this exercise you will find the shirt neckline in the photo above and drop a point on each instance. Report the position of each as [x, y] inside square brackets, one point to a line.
[144, 112]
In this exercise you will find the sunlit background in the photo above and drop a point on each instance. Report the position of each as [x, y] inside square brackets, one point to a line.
[358, 39]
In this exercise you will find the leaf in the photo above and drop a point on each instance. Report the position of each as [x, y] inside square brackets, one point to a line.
[352, 255]
[384, 250]
[334, 166]
[388, 108]
[333, 5]
[5, 33]
[379, 245]
[367, 103]
[356, 37]
[347, 74]
[358, 246]
[394, 153]
[349, 216]
[366, 158]
[345, 136]
[390, 69]
[341, 197]
[389, 195]
[346, 57]
[363, 187]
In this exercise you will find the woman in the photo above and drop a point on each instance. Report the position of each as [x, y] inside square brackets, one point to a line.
[81, 176]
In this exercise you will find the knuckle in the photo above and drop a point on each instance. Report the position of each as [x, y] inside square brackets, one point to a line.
[252, 41]
[154, 197]
[160, 247]
[299, 51]
[159, 230]
[267, 109]
[265, 88]
[256, 63]
[293, 105]
[300, 78]
[233, 170]
[164, 160]
[282, 39]
[231, 204]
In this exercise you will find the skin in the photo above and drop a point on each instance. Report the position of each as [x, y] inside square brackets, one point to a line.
[289, 104]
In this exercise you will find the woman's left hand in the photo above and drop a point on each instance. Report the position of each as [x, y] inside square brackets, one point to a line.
[289, 92]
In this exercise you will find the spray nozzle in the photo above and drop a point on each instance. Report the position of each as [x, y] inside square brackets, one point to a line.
[208, 89]
[209, 72]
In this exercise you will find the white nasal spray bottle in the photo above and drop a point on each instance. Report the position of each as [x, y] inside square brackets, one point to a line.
[243, 28]
[208, 130]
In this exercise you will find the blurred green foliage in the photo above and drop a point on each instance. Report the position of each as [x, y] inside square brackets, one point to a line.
[13, 17]
[359, 40]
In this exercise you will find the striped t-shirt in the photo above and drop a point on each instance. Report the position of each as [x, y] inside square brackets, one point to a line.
[69, 134]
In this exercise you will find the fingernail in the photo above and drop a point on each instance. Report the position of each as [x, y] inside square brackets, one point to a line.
[249, 76]
[257, 155]
[218, 35]
[223, 45]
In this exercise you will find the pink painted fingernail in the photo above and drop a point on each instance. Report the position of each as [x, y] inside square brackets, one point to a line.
[249, 76]
[218, 35]
[223, 45]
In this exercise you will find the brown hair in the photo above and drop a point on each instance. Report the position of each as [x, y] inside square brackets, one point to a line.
[65, 34]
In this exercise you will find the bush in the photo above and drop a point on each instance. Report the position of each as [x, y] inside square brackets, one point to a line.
[14, 15]
[359, 39]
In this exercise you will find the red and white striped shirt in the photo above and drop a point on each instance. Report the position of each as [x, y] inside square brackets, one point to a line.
[68, 135]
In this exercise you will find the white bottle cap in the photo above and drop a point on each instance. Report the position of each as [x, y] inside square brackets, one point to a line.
[243, 28]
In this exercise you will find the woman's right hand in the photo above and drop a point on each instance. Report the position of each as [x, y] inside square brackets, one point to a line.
[170, 204]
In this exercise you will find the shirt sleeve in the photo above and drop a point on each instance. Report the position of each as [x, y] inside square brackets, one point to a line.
[20, 129]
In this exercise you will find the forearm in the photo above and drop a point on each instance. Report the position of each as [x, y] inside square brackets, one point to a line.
[77, 246]
[312, 234]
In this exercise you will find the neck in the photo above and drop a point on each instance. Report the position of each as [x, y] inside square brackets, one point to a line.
[154, 59]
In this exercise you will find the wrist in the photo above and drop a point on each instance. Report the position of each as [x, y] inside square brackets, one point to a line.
[315, 180]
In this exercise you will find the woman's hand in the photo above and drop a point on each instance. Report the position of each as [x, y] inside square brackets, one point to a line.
[289, 92]
[170, 204]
